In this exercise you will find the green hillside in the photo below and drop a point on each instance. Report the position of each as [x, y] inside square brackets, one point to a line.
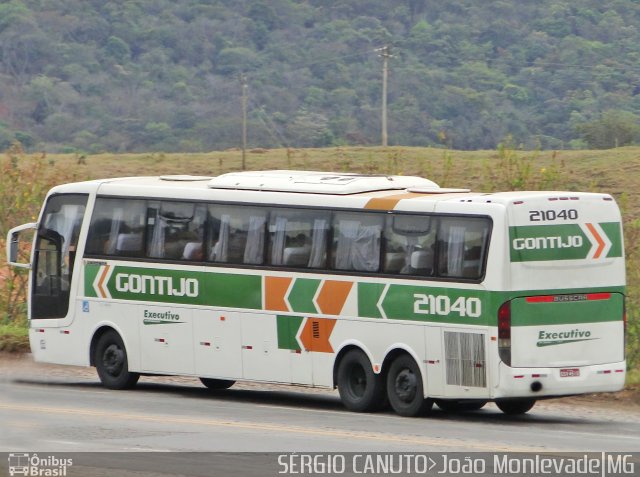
[133, 75]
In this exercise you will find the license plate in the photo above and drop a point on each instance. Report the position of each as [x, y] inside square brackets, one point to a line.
[569, 372]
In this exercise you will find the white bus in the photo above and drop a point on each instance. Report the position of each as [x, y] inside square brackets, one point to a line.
[390, 288]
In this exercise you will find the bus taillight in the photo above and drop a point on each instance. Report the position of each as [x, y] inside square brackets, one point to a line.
[504, 332]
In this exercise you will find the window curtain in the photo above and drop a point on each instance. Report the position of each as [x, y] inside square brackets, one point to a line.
[279, 236]
[455, 250]
[220, 251]
[116, 225]
[254, 249]
[358, 246]
[317, 256]
[66, 223]
[156, 249]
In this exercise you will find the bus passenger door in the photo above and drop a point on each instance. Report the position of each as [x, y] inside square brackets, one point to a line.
[55, 255]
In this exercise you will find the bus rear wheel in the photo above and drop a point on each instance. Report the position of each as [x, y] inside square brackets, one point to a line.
[217, 384]
[404, 388]
[360, 389]
[514, 407]
[111, 362]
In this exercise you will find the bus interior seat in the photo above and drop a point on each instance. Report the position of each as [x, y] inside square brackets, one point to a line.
[296, 256]
[394, 262]
[131, 242]
[192, 251]
[422, 261]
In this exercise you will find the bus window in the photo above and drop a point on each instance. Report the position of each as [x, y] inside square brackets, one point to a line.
[175, 230]
[55, 254]
[237, 234]
[462, 244]
[117, 228]
[356, 244]
[409, 245]
[298, 238]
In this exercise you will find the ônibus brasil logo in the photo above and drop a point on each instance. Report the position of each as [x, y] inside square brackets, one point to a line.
[591, 241]
[34, 465]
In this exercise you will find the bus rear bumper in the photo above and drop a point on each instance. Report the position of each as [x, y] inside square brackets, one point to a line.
[546, 382]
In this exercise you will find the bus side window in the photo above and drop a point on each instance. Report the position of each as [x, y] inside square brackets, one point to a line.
[117, 228]
[462, 245]
[237, 234]
[357, 238]
[298, 238]
[175, 230]
[409, 245]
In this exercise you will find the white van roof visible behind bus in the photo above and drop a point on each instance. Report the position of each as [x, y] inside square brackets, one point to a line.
[314, 182]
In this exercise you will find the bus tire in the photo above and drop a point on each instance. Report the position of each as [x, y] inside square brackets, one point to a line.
[451, 405]
[112, 364]
[361, 390]
[514, 407]
[404, 388]
[217, 384]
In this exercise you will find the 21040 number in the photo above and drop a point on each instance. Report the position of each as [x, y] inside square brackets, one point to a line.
[549, 215]
[441, 305]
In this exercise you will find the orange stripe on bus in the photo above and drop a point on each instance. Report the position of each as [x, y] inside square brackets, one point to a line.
[333, 296]
[596, 235]
[105, 272]
[316, 334]
[390, 201]
[275, 291]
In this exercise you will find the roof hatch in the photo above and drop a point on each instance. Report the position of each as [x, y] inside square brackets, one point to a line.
[314, 182]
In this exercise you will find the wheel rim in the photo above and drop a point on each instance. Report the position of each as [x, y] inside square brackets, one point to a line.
[357, 381]
[406, 385]
[113, 359]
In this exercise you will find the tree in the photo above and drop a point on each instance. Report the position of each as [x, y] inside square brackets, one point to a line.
[614, 128]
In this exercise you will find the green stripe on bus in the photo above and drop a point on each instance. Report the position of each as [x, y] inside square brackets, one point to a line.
[564, 241]
[524, 313]
[184, 287]
[90, 274]
[301, 295]
[614, 234]
[436, 304]
[531, 243]
[368, 296]
[288, 327]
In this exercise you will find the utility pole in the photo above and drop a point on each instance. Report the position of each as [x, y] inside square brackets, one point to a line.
[243, 83]
[385, 54]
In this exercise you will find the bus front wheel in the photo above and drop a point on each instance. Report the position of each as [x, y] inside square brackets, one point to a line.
[111, 362]
[404, 388]
[217, 384]
[360, 389]
[515, 406]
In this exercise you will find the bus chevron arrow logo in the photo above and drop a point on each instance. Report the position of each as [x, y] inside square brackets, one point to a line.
[101, 280]
[600, 243]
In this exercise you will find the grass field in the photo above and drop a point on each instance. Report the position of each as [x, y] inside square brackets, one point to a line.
[615, 171]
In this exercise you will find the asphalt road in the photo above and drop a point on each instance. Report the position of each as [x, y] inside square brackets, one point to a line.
[48, 408]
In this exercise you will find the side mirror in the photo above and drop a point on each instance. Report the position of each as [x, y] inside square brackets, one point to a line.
[13, 244]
